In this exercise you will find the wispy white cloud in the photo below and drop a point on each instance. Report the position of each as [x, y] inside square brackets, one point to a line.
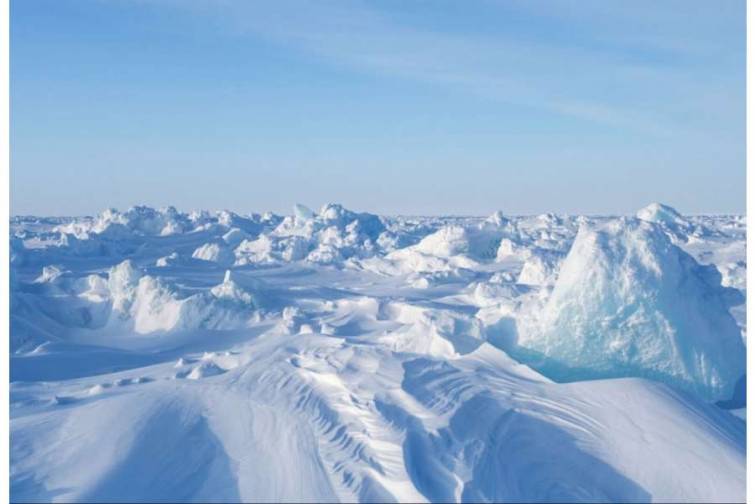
[599, 79]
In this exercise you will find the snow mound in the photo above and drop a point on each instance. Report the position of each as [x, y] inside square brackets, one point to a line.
[325, 254]
[511, 249]
[363, 223]
[431, 332]
[230, 290]
[214, 252]
[146, 221]
[540, 268]
[147, 305]
[204, 369]
[446, 242]
[249, 226]
[235, 236]
[141, 220]
[677, 226]
[477, 243]
[661, 214]
[630, 303]
[172, 259]
[271, 250]
[331, 236]
[122, 282]
[497, 219]
[49, 274]
[448, 251]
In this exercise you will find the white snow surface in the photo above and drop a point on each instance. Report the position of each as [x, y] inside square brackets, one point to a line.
[335, 355]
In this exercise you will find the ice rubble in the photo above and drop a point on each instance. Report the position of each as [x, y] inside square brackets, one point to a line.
[681, 229]
[214, 252]
[127, 301]
[369, 358]
[330, 236]
[230, 290]
[115, 233]
[628, 302]
[150, 305]
[540, 268]
[446, 251]
[145, 221]
[662, 214]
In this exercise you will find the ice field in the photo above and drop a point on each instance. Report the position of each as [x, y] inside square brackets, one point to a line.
[340, 356]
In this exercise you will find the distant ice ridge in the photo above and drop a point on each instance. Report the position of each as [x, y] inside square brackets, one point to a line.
[331, 236]
[146, 221]
[628, 302]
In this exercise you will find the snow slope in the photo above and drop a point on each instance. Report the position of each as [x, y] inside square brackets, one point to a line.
[342, 356]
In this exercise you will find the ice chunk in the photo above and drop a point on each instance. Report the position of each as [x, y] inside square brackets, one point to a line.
[497, 219]
[49, 274]
[303, 213]
[214, 252]
[231, 291]
[235, 236]
[630, 303]
[450, 241]
[155, 307]
[325, 254]
[661, 214]
[204, 369]
[680, 228]
[446, 242]
[169, 260]
[540, 268]
[367, 224]
[510, 249]
[140, 220]
[122, 282]
[255, 251]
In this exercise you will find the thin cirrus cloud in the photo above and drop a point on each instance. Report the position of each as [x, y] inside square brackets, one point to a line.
[617, 64]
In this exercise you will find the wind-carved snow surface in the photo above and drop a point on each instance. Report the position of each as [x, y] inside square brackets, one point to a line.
[334, 355]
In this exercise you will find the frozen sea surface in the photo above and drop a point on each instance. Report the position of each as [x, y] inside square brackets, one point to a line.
[333, 355]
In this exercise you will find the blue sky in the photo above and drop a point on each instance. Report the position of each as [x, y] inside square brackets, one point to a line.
[410, 106]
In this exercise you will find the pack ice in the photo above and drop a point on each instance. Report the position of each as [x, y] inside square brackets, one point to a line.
[335, 355]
